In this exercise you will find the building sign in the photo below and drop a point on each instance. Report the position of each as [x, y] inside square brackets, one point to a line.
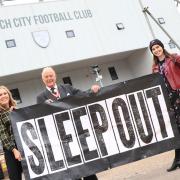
[82, 135]
[40, 19]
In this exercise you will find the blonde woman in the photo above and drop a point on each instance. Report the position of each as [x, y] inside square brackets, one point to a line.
[11, 153]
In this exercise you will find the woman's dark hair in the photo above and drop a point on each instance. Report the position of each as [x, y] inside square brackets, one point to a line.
[166, 53]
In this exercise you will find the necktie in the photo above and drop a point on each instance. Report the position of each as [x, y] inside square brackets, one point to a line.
[53, 90]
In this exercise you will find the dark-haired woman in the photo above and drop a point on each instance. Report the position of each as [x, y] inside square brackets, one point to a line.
[168, 65]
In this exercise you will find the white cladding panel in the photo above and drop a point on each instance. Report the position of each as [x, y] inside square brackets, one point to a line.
[167, 10]
[110, 12]
[93, 22]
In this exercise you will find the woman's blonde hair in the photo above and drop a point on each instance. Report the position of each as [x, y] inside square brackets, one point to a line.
[12, 102]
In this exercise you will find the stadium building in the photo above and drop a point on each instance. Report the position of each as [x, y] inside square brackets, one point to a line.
[74, 36]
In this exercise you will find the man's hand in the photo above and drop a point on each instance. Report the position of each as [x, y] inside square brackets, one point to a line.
[49, 101]
[95, 88]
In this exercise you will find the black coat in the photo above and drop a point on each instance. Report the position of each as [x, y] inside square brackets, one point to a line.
[64, 90]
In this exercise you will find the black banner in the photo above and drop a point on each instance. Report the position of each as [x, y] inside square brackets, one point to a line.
[83, 135]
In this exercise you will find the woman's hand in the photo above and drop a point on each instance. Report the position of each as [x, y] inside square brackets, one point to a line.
[48, 101]
[17, 154]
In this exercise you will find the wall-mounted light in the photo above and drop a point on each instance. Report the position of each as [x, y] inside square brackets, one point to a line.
[70, 34]
[120, 26]
[161, 20]
[95, 70]
[171, 44]
[10, 43]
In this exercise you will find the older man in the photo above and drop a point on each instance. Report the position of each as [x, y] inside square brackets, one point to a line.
[54, 92]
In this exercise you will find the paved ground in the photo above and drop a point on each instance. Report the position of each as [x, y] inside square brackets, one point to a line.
[153, 168]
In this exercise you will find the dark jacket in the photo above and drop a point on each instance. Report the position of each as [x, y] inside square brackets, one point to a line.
[6, 134]
[64, 90]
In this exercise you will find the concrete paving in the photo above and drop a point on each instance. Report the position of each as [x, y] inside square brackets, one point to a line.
[153, 168]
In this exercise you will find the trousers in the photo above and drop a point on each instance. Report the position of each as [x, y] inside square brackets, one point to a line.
[13, 166]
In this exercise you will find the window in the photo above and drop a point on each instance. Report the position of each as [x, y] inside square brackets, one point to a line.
[70, 34]
[10, 43]
[16, 95]
[120, 26]
[67, 80]
[113, 73]
[161, 20]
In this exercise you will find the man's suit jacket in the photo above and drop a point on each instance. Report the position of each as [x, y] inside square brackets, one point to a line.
[64, 90]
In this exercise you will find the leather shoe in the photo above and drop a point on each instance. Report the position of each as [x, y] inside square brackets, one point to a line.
[174, 166]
